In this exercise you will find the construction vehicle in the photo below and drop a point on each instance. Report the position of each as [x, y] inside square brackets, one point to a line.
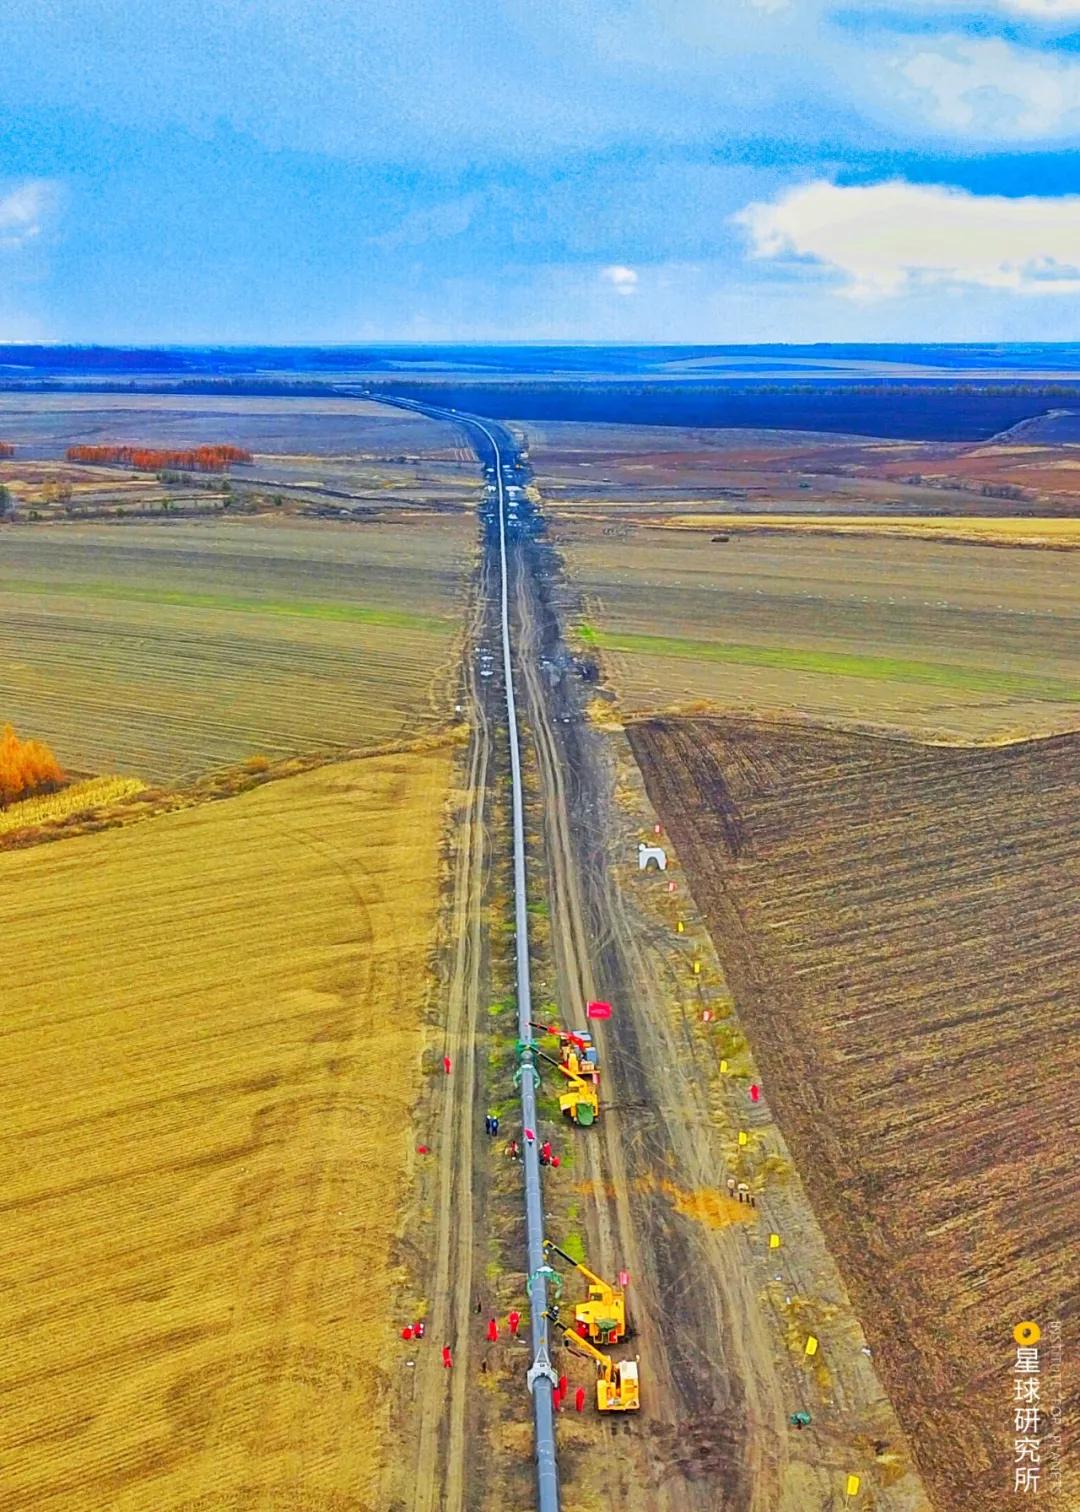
[580, 1101]
[579, 1054]
[603, 1317]
[616, 1380]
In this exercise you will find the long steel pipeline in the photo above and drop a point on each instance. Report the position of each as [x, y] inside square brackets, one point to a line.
[541, 1377]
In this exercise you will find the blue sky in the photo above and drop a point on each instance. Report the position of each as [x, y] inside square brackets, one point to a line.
[670, 170]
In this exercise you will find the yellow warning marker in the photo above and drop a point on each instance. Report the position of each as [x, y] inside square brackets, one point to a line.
[811, 1346]
[680, 927]
[697, 968]
[774, 1241]
[852, 1487]
[723, 1065]
[744, 1137]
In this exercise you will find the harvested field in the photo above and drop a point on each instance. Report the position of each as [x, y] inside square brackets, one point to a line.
[766, 471]
[1057, 532]
[212, 1044]
[43, 425]
[897, 924]
[953, 642]
[166, 650]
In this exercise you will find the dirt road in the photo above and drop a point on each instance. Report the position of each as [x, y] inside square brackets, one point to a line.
[435, 1468]
[720, 1375]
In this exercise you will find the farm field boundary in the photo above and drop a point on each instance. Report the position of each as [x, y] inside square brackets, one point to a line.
[896, 925]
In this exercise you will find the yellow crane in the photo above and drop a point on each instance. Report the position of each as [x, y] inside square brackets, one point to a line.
[616, 1381]
[603, 1316]
[580, 1101]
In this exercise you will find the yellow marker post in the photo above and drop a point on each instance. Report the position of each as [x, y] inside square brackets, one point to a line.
[697, 968]
[680, 927]
[774, 1241]
[744, 1137]
[852, 1487]
[723, 1065]
[811, 1346]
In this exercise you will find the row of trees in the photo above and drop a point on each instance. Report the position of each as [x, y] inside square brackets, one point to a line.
[27, 767]
[198, 459]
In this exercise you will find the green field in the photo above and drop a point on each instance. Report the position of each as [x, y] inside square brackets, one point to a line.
[167, 651]
[938, 640]
[889, 669]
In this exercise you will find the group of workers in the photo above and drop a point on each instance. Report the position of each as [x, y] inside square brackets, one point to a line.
[513, 1148]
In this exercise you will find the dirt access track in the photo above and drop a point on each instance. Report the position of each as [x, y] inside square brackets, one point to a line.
[721, 1346]
[897, 922]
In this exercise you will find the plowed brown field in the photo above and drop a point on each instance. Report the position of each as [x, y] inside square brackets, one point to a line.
[897, 923]
[211, 1048]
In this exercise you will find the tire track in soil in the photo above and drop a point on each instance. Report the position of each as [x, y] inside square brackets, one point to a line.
[441, 1468]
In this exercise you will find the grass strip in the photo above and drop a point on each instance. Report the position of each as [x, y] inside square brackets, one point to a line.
[364, 614]
[837, 664]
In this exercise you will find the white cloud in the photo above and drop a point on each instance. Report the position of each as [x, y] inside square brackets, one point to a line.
[1046, 10]
[887, 238]
[1055, 9]
[622, 279]
[24, 211]
[993, 89]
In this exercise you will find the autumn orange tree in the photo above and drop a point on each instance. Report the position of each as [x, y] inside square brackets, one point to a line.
[198, 459]
[26, 767]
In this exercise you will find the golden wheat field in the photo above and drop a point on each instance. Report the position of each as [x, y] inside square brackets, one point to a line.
[165, 652]
[211, 1047]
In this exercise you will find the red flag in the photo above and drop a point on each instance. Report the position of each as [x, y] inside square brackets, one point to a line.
[598, 1010]
[447, 1357]
[755, 1092]
[446, 1064]
[493, 1331]
[579, 1398]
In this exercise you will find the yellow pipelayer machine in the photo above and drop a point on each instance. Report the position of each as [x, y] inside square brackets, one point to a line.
[617, 1381]
[603, 1316]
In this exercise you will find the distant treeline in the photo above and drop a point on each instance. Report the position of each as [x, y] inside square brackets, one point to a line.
[198, 459]
[916, 409]
[538, 361]
[308, 389]
[929, 411]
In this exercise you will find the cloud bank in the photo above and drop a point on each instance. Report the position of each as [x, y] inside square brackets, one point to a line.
[886, 238]
[995, 90]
